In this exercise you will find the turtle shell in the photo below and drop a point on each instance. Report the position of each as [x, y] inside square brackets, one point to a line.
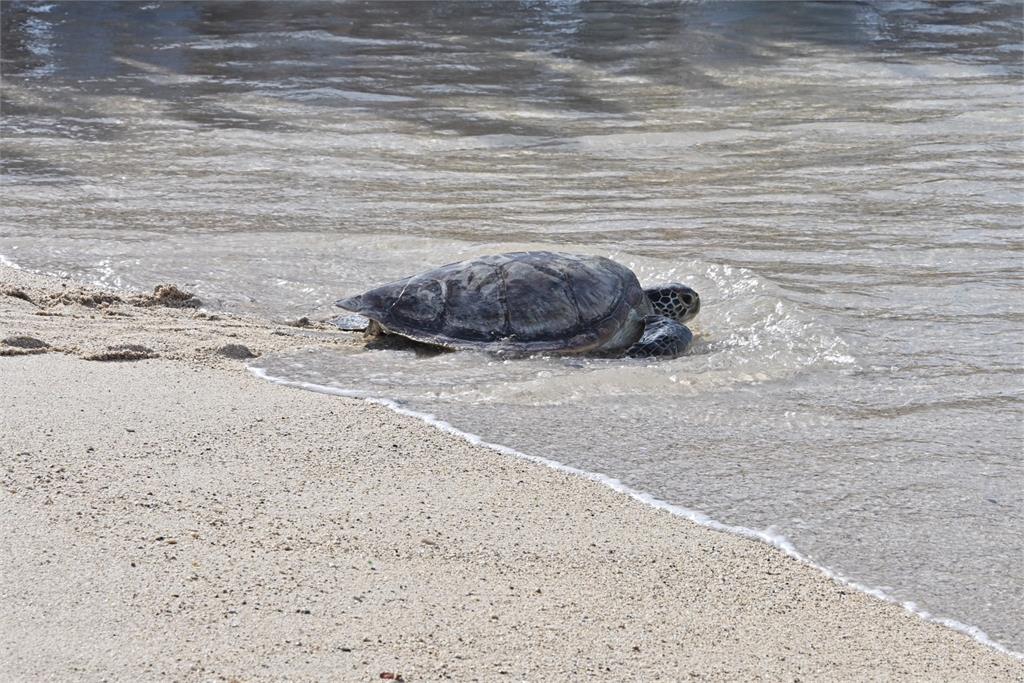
[523, 302]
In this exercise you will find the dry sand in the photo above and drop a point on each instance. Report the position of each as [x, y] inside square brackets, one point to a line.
[173, 517]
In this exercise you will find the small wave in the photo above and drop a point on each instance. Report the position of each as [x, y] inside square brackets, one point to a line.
[313, 94]
[320, 35]
[8, 263]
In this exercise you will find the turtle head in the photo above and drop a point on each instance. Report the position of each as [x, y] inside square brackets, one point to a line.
[675, 301]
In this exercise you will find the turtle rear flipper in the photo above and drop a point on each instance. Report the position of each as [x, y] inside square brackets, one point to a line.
[351, 322]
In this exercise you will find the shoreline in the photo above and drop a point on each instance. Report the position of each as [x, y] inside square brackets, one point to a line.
[776, 541]
[568, 531]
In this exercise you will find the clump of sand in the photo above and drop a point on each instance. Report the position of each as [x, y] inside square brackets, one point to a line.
[101, 325]
[15, 293]
[83, 296]
[20, 345]
[123, 352]
[237, 351]
[167, 295]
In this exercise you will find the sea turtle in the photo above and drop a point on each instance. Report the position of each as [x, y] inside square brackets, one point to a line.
[530, 302]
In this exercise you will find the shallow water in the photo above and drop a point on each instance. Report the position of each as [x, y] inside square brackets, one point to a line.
[840, 181]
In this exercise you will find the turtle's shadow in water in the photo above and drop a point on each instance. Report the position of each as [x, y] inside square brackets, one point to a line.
[395, 342]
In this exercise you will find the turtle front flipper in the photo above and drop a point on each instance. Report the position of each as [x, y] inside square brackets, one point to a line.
[662, 338]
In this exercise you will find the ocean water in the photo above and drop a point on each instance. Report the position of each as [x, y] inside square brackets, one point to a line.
[840, 181]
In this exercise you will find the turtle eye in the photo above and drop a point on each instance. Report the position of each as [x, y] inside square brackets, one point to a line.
[687, 299]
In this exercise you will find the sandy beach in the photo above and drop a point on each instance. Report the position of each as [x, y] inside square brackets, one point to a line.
[169, 516]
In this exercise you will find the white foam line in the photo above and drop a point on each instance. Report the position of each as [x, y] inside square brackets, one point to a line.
[771, 538]
[4, 261]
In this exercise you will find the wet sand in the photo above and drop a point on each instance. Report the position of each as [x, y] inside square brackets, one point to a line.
[169, 516]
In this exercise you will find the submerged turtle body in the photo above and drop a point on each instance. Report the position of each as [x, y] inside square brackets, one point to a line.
[521, 303]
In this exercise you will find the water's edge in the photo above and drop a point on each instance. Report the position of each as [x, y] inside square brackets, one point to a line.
[765, 536]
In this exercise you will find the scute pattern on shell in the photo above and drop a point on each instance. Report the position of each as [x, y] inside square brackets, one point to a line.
[520, 302]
